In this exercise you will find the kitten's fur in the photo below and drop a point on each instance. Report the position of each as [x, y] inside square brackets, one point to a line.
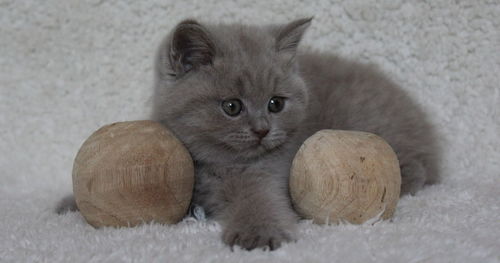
[243, 181]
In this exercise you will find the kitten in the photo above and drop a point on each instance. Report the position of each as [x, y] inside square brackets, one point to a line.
[243, 99]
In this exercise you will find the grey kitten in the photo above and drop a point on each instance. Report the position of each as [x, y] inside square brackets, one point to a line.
[243, 99]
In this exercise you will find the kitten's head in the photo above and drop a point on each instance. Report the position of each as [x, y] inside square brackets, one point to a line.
[231, 92]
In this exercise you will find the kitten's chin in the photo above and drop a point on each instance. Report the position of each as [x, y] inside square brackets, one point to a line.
[263, 148]
[228, 154]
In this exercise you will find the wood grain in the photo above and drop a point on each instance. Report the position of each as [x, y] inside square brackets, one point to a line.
[128, 173]
[345, 175]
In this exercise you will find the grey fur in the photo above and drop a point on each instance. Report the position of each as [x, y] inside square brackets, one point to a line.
[67, 204]
[241, 182]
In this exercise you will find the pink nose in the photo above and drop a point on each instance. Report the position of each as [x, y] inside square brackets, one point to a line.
[261, 133]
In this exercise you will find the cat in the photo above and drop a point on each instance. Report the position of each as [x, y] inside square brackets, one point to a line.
[243, 98]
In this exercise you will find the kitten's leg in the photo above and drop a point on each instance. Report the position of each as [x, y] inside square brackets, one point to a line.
[258, 212]
[67, 204]
[413, 177]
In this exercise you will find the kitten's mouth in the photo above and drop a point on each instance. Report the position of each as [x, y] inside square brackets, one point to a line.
[267, 146]
[257, 147]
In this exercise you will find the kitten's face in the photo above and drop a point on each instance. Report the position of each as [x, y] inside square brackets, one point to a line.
[238, 99]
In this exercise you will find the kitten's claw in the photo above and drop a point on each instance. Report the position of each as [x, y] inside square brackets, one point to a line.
[254, 243]
[67, 204]
[264, 238]
[234, 240]
[271, 245]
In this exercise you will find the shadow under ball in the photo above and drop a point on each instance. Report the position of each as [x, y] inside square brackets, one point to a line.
[128, 173]
[345, 176]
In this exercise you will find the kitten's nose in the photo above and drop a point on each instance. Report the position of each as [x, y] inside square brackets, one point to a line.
[261, 133]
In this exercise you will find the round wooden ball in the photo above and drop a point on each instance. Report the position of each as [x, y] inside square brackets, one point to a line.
[345, 176]
[128, 173]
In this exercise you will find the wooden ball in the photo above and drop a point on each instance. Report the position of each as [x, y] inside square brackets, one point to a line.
[128, 173]
[345, 176]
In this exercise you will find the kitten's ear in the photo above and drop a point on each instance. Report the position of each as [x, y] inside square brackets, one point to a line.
[289, 35]
[191, 47]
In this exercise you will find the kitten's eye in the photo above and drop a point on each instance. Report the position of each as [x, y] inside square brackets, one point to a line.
[232, 107]
[276, 104]
[186, 64]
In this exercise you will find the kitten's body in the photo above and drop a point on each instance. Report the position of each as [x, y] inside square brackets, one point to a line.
[241, 182]
[350, 96]
[242, 177]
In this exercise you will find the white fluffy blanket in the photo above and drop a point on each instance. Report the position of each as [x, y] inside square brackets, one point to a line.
[69, 67]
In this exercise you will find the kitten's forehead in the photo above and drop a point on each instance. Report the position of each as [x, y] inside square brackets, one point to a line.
[246, 61]
[243, 41]
[247, 81]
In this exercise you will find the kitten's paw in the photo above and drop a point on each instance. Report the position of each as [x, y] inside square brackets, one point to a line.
[266, 237]
[67, 204]
[413, 177]
[411, 188]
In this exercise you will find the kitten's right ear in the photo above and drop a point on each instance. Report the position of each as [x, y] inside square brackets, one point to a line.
[191, 47]
[289, 35]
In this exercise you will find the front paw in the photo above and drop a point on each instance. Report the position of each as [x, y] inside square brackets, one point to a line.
[250, 237]
[67, 204]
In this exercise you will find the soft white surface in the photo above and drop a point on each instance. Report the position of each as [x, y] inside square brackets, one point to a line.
[69, 67]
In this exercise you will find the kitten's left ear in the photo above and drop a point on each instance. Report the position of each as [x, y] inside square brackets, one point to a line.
[289, 35]
[191, 47]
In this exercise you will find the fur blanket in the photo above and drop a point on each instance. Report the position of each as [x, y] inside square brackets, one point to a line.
[69, 67]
